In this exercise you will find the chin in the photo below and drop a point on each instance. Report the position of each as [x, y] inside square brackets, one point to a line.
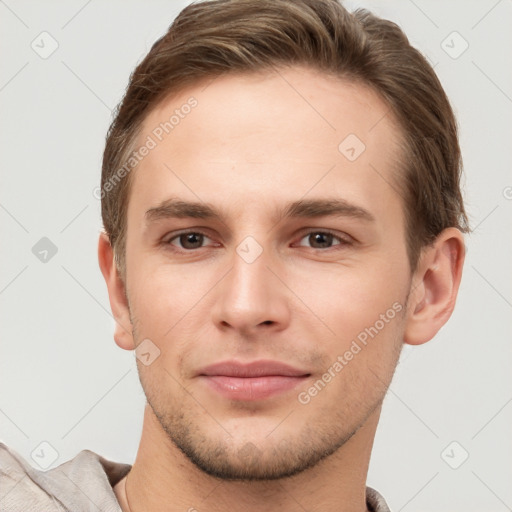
[281, 453]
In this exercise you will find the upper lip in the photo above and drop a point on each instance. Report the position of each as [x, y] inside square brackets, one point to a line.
[261, 368]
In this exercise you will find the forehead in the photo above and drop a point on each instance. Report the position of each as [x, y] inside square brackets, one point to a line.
[249, 140]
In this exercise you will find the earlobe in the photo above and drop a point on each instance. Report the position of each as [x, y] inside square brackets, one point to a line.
[434, 287]
[116, 293]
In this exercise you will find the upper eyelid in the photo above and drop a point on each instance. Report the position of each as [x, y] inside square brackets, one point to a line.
[307, 231]
[172, 236]
[342, 240]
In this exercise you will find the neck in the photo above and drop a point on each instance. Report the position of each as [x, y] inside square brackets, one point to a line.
[162, 478]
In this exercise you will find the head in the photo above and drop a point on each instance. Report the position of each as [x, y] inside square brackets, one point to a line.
[280, 182]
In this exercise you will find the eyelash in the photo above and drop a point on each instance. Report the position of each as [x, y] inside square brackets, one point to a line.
[342, 241]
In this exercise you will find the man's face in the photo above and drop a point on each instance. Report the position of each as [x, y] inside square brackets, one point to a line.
[320, 291]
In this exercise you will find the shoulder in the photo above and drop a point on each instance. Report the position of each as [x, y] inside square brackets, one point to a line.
[375, 501]
[73, 485]
[19, 490]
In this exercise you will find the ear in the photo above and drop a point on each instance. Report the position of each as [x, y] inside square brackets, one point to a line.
[434, 287]
[116, 293]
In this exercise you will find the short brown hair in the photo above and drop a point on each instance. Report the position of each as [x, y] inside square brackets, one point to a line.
[214, 37]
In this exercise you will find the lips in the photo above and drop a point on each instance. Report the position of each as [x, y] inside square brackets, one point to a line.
[256, 380]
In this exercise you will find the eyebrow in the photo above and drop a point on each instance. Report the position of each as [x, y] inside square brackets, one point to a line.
[311, 208]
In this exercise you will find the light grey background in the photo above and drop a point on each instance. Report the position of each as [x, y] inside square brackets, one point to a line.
[62, 378]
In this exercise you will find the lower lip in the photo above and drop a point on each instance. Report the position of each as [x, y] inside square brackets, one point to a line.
[252, 388]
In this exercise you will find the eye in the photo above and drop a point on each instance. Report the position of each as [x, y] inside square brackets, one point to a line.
[322, 240]
[188, 241]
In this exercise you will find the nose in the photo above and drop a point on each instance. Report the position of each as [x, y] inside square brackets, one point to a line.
[250, 299]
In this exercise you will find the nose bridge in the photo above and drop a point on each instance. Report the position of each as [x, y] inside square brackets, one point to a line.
[249, 275]
[250, 295]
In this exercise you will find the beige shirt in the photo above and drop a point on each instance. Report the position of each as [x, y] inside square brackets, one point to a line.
[82, 484]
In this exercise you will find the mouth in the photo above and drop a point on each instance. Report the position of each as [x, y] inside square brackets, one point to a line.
[252, 381]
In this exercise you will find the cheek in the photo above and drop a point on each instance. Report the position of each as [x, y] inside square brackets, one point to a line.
[164, 293]
[168, 304]
[350, 299]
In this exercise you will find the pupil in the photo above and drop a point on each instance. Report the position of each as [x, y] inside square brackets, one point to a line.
[321, 239]
[191, 240]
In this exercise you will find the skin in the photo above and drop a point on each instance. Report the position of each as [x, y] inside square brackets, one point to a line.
[253, 144]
